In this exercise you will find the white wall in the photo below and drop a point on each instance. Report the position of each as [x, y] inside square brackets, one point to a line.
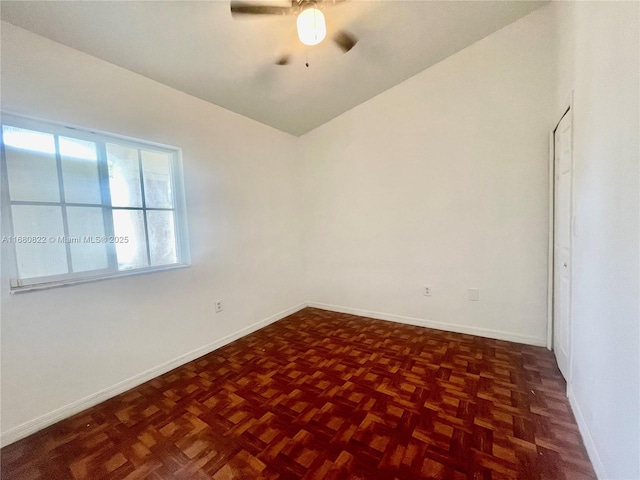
[598, 57]
[241, 179]
[442, 181]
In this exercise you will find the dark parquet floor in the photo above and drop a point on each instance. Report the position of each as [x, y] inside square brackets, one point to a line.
[322, 395]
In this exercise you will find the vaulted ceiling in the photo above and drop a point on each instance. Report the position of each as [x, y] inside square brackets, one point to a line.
[198, 48]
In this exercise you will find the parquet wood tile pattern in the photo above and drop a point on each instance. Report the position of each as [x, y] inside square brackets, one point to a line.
[321, 395]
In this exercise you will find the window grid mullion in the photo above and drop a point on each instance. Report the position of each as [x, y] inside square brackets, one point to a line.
[177, 237]
[65, 221]
[75, 204]
[107, 208]
[144, 208]
[53, 204]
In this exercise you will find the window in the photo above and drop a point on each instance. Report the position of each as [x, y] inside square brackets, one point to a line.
[80, 205]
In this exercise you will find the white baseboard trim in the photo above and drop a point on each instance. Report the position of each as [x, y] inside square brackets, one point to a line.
[450, 327]
[71, 409]
[589, 444]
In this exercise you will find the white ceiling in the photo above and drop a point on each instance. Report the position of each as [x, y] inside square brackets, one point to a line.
[197, 47]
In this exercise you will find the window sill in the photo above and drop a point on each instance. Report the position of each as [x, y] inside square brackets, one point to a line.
[76, 281]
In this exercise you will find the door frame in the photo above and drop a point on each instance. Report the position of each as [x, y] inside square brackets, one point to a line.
[567, 108]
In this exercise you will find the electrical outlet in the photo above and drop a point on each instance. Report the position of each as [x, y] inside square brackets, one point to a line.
[474, 294]
[218, 306]
[426, 290]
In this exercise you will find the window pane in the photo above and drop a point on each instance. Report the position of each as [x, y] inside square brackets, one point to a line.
[124, 176]
[23, 139]
[85, 224]
[80, 171]
[156, 170]
[67, 191]
[162, 239]
[131, 253]
[31, 165]
[42, 224]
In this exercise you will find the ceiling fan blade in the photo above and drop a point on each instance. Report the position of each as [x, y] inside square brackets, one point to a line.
[345, 41]
[284, 60]
[240, 8]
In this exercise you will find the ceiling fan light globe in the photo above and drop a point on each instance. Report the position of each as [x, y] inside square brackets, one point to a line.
[311, 26]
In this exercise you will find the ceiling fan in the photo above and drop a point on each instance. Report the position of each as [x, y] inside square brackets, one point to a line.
[311, 25]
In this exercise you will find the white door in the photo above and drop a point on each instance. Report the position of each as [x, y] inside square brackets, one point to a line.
[562, 244]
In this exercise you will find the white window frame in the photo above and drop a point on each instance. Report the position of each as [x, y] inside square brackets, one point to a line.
[100, 139]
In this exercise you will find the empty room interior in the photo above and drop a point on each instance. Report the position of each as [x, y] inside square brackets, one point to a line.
[320, 239]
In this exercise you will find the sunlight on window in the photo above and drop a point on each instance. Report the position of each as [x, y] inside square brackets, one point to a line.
[74, 148]
[126, 252]
[129, 224]
[124, 176]
[119, 190]
[28, 139]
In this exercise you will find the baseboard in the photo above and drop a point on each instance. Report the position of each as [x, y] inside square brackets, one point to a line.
[587, 439]
[66, 411]
[71, 409]
[450, 327]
